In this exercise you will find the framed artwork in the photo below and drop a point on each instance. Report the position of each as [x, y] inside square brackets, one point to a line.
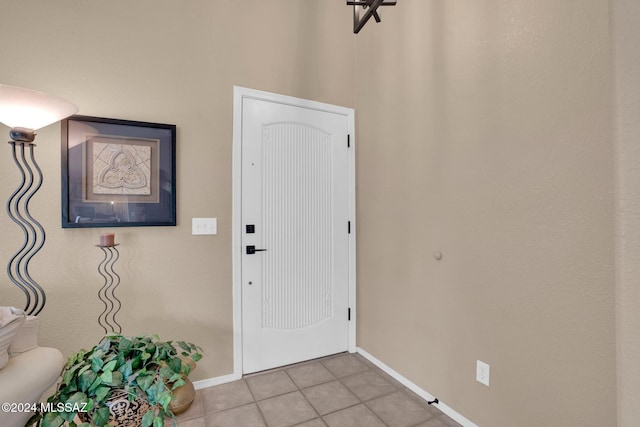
[117, 173]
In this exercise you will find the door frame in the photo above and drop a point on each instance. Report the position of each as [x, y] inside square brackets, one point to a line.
[239, 94]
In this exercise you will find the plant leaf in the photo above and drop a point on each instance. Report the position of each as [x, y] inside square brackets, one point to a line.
[97, 353]
[175, 364]
[166, 372]
[127, 369]
[86, 379]
[101, 417]
[105, 344]
[156, 352]
[34, 419]
[144, 381]
[177, 384]
[52, 419]
[101, 393]
[90, 405]
[77, 398]
[148, 417]
[133, 393]
[143, 366]
[186, 369]
[84, 368]
[125, 344]
[107, 377]
[68, 374]
[97, 382]
[109, 367]
[158, 421]
[154, 392]
[74, 401]
[137, 362]
[120, 357]
[164, 399]
[117, 379]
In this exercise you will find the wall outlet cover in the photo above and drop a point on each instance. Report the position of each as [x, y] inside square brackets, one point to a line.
[483, 372]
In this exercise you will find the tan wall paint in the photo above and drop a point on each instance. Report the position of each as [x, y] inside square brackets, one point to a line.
[485, 132]
[625, 18]
[170, 62]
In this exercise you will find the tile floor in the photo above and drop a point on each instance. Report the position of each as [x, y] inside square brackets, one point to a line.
[344, 390]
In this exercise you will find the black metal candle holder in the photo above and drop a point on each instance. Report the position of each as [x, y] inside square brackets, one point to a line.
[106, 294]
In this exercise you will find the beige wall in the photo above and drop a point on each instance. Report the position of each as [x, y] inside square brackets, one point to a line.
[485, 132]
[625, 18]
[170, 62]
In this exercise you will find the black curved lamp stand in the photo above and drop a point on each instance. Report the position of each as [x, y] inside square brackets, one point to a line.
[18, 210]
[24, 111]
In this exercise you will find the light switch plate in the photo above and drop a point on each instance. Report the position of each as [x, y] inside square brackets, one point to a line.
[202, 226]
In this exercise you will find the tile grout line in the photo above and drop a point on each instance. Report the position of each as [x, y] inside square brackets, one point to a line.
[255, 402]
[305, 398]
[367, 369]
[320, 383]
[373, 370]
[401, 391]
[375, 414]
[360, 401]
[293, 365]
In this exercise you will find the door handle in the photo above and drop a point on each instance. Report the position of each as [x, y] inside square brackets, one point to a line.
[252, 250]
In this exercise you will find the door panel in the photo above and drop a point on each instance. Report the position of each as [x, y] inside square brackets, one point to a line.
[297, 222]
[295, 193]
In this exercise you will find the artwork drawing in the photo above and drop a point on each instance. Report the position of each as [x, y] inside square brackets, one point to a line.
[121, 169]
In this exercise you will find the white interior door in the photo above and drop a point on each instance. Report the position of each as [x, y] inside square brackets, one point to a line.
[295, 234]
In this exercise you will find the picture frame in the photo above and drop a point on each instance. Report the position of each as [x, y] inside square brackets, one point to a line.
[117, 173]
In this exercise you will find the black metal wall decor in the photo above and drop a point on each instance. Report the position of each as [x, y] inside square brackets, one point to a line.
[363, 10]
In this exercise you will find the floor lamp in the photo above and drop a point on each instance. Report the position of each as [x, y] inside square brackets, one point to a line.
[25, 111]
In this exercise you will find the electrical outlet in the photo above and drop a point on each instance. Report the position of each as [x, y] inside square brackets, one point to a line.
[483, 371]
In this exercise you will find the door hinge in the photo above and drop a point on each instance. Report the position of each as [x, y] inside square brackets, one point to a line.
[349, 314]
[348, 227]
[348, 141]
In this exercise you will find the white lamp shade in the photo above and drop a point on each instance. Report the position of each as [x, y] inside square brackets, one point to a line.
[26, 108]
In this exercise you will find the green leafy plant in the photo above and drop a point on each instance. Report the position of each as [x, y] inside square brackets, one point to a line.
[141, 366]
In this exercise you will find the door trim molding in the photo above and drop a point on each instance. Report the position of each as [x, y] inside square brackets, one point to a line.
[239, 94]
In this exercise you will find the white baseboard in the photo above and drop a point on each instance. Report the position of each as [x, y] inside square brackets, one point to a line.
[450, 412]
[215, 381]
